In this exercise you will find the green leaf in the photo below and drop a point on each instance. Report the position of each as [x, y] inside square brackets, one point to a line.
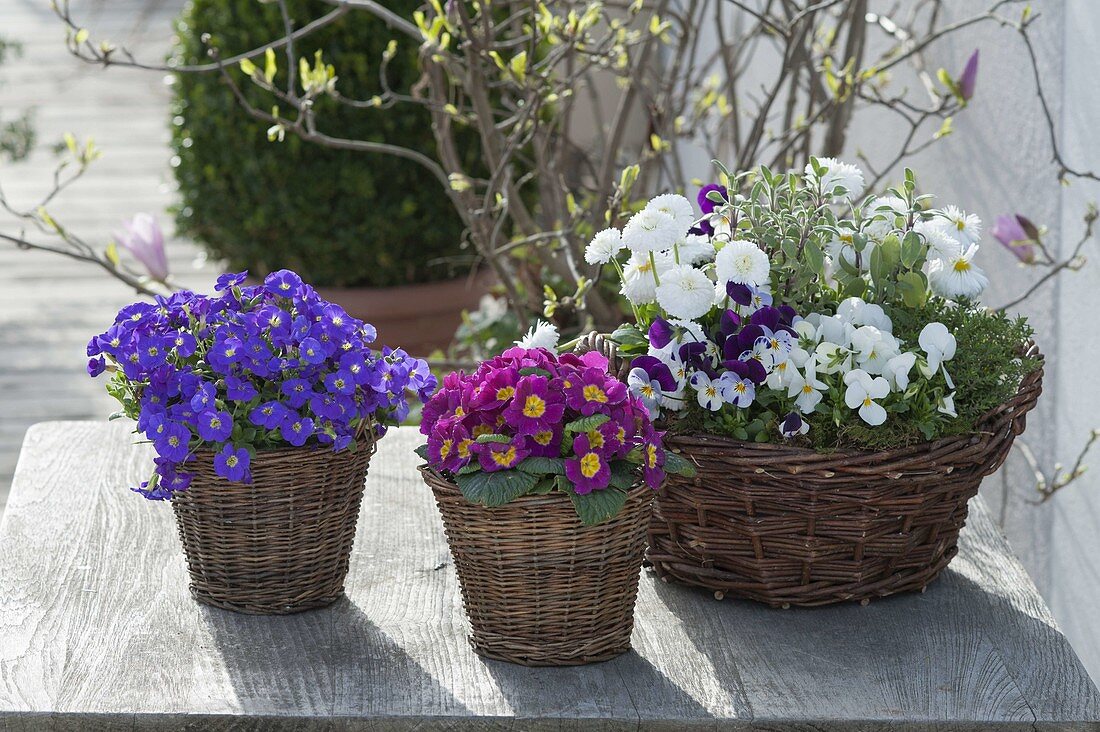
[911, 249]
[678, 465]
[534, 371]
[496, 488]
[484, 439]
[543, 465]
[598, 506]
[544, 486]
[913, 289]
[623, 475]
[422, 451]
[468, 468]
[891, 252]
[586, 424]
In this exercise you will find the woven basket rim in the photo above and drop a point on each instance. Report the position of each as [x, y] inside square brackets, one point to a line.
[1030, 349]
[552, 496]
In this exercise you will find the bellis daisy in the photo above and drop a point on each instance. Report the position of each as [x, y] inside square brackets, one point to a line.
[603, 247]
[676, 206]
[958, 276]
[651, 230]
[837, 174]
[967, 227]
[685, 292]
[742, 262]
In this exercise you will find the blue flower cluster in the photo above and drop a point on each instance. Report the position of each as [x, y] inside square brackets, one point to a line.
[252, 368]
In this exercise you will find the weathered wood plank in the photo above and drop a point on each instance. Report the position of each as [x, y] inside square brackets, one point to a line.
[97, 631]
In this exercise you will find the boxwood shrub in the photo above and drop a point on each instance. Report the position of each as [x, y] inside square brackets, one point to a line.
[337, 217]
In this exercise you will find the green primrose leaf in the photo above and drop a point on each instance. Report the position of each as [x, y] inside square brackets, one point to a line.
[422, 451]
[501, 439]
[678, 465]
[496, 488]
[598, 506]
[543, 465]
[586, 424]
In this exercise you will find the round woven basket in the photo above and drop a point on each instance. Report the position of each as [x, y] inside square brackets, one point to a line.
[791, 526]
[540, 588]
[280, 545]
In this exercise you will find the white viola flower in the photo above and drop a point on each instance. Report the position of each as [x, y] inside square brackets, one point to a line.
[736, 390]
[742, 262]
[603, 247]
[967, 227]
[782, 374]
[897, 370]
[958, 276]
[857, 312]
[807, 387]
[863, 389]
[947, 406]
[673, 400]
[639, 286]
[807, 327]
[651, 230]
[541, 335]
[832, 358]
[676, 206]
[831, 328]
[685, 292]
[694, 249]
[707, 391]
[679, 371]
[942, 244]
[885, 210]
[837, 174]
[646, 389]
[799, 356]
[873, 348]
[777, 344]
[939, 346]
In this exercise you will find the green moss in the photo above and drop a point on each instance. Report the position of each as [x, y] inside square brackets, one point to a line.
[336, 217]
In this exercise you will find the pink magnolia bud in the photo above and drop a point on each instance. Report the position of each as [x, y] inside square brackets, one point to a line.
[145, 241]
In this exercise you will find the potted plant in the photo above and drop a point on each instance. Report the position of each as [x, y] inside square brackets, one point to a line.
[263, 405]
[543, 470]
[360, 229]
[820, 357]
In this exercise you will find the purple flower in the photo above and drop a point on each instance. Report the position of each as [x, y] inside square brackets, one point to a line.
[268, 415]
[736, 389]
[204, 397]
[229, 280]
[660, 333]
[341, 382]
[296, 429]
[311, 351]
[239, 389]
[297, 391]
[534, 406]
[969, 77]
[750, 369]
[170, 439]
[144, 240]
[283, 283]
[793, 425]
[1017, 234]
[589, 469]
[706, 205]
[96, 366]
[495, 456]
[233, 464]
[215, 426]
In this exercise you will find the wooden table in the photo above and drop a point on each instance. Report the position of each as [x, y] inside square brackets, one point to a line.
[97, 631]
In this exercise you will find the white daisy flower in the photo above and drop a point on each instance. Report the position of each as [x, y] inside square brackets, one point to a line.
[651, 230]
[676, 206]
[639, 285]
[541, 335]
[837, 174]
[694, 249]
[968, 227]
[685, 292]
[942, 243]
[958, 276]
[885, 211]
[603, 247]
[742, 262]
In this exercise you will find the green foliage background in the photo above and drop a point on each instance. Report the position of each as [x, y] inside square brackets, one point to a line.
[336, 217]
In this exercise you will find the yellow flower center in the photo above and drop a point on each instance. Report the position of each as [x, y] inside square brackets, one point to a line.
[505, 392]
[711, 391]
[867, 401]
[590, 464]
[595, 439]
[739, 387]
[174, 441]
[807, 389]
[231, 461]
[646, 390]
[534, 407]
[962, 266]
[593, 393]
[445, 449]
[464, 448]
[505, 458]
[482, 429]
[544, 437]
[460, 412]
[651, 456]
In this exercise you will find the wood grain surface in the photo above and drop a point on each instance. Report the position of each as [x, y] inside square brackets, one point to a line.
[98, 632]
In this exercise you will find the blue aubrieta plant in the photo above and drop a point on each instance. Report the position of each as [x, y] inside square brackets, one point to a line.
[248, 369]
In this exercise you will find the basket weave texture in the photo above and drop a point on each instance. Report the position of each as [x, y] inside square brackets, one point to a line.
[280, 545]
[789, 526]
[540, 588]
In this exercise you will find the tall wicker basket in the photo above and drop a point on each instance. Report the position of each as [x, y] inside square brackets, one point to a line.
[540, 588]
[280, 545]
[790, 526]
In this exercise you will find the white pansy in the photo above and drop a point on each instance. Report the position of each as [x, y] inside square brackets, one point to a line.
[694, 249]
[806, 388]
[782, 374]
[806, 328]
[857, 312]
[676, 206]
[832, 358]
[958, 276]
[707, 391]
[541, 335]
[942, 244]
[639, 285]
[650, 230]
[837, 174]
[832, 328]
[897, 370]
[742, 262]
[646, 389]
[885, 210]
[873, 348]
[603, 247]
[947, 406]
[685, 292]
[863, 389]
[938, 344]
[966, 227]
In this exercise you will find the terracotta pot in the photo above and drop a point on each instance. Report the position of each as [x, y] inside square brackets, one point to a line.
[419, 318]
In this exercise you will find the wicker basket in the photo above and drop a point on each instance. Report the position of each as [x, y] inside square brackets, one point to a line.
[280, 545]
[790, 526]
[540, 588]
